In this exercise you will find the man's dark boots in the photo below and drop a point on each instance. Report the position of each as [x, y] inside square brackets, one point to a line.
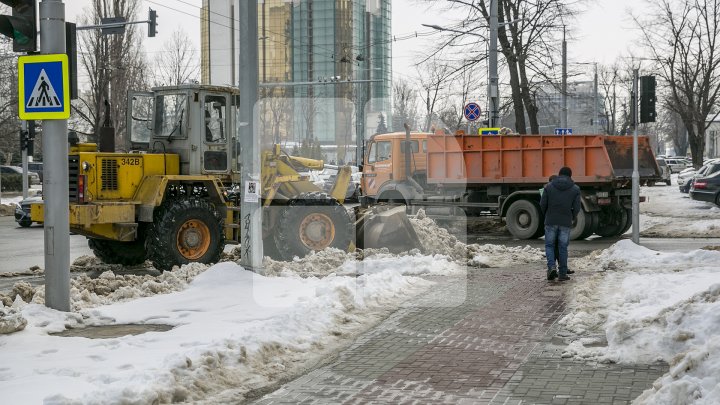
[552, 273]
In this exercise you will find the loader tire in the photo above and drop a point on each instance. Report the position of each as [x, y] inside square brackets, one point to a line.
[312, 222]
[124, 253]
[185, 231]
[523, 219]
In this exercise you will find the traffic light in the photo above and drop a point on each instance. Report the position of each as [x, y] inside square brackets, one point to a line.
[647, 99]
[27, 138]
[20, 26]
[152, 23]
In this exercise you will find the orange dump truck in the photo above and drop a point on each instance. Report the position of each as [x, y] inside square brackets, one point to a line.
[501, 176]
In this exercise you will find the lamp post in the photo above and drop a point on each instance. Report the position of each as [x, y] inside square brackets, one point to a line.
[493, 117]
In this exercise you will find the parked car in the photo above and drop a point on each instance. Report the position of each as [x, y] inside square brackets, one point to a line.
[664, 170]
[36, 167]
[676, 164]
[33, 178]
[685, 180]
[325, 179]
[22, 211]
[707, 188]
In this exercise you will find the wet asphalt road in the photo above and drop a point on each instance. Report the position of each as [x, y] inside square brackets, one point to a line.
[21, 248]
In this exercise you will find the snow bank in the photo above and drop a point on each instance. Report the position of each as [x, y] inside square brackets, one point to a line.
[651, 306]
[672, 214]
[232, 329]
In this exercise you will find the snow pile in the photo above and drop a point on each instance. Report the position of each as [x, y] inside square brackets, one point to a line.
[11, 320]
[234, 331]
[651, 306]
[438, 241]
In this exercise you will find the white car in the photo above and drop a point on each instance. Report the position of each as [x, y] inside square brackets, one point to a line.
[676, 165]
[33, 178]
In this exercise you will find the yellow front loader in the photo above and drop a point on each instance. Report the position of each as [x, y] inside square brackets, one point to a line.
[176, 200]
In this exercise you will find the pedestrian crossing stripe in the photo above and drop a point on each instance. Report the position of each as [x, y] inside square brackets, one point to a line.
[43, 94]
[43, 87]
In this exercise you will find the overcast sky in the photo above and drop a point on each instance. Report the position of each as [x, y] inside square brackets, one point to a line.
[602, 34]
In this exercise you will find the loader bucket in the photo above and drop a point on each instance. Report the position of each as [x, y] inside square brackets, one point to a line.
[385, 227]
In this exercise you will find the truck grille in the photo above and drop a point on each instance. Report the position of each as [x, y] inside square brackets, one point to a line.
[109, 174]
[73, 173]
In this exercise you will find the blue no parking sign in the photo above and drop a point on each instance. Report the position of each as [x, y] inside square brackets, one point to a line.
[472, 111]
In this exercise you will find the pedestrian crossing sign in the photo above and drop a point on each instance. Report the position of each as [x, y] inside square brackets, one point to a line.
[43, 87]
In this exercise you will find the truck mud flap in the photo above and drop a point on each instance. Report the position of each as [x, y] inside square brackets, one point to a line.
[385, 227]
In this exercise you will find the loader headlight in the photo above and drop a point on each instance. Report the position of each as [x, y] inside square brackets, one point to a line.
[86, 166]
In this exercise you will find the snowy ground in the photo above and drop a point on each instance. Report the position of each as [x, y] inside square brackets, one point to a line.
[642, 306]
[233, 331]
[672, 214]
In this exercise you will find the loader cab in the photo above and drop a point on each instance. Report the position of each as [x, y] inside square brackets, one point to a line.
[197, 122]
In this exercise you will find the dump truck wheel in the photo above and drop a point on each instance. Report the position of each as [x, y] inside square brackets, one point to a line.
[523, 219]
[612, 221]
[185, 231]
[25, 222]
[628, 223]
[584, 226]
[312, 222]
[124, 253]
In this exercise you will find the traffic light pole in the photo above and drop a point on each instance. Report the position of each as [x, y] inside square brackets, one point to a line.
[635, 173]
[55, 173]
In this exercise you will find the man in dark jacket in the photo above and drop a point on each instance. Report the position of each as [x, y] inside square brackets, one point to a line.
[560, 203]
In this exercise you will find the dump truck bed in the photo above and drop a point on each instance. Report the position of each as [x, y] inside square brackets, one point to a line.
[476, 159]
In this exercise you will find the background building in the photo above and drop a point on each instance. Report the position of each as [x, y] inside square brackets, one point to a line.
[328, 42]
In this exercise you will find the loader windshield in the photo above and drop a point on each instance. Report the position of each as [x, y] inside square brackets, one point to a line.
[170, 116]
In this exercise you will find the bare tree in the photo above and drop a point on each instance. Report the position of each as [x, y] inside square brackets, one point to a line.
[434, 80]
[683, 39]
[463, 84]
[9, 123]
[404, 105]
[114, 64]
[178, 61]
[274, 106]
[527, 41]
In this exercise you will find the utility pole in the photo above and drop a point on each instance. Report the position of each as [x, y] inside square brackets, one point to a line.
[493, 91]
[595, 100]
[250, 145]
[55, 173]
[563, 91]
[635, 173]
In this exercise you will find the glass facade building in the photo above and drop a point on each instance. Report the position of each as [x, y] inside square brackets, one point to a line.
[334, 43]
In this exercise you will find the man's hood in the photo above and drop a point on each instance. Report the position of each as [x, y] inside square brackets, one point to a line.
[562, 183]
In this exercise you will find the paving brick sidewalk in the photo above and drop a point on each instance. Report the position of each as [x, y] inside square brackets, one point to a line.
[500, 346]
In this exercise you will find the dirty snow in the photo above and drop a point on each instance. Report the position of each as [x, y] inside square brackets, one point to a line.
[236, 331]
[233, 331]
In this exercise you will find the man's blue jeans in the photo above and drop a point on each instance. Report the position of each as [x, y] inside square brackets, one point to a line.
[560, 235]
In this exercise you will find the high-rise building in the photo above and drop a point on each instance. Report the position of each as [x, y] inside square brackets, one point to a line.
[334, 43]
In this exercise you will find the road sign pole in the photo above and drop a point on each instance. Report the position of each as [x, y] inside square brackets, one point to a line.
[24, 151]
[250, 208]
[55, 173]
